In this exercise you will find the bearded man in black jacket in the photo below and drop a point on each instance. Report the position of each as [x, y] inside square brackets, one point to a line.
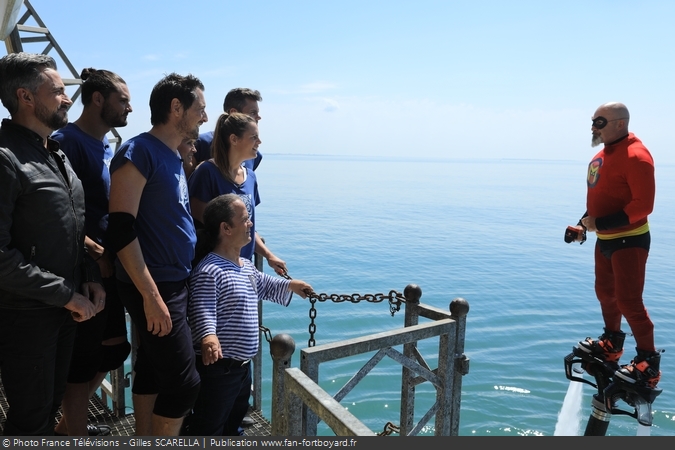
[46, 285]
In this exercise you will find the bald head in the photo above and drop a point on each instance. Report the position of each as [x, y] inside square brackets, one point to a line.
[613, 111]
[610, 123]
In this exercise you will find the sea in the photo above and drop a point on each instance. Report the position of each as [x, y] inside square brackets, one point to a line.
[488, 231]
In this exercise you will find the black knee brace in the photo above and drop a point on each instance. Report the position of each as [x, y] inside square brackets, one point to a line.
[114, 356]
[177, 404]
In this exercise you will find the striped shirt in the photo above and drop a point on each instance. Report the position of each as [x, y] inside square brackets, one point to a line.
[224, 301]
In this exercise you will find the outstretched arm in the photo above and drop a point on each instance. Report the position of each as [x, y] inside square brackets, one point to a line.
[301, 288]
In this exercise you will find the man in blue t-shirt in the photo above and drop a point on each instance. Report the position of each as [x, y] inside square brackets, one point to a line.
[151, 229]
[241, 100]
[101, 343]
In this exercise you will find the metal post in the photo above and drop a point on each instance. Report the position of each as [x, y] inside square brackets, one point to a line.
[257, 359]
[293, 416]
[459, 308]
[310, 367]
[13, 42]
[412, 294]
[446, 369]
[282, 348]
[118, 383]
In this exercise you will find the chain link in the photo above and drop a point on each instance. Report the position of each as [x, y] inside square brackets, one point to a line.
[266, 332]
[390, 428]
[394, 298]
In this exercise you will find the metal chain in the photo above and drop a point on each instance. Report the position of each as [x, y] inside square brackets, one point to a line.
[390, 428]
[266, 332]
[395, 300]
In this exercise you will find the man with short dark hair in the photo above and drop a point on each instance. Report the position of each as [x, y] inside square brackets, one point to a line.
[42, 265]
[101, 344]
[243, 100]
[621, 188]
[151, 230]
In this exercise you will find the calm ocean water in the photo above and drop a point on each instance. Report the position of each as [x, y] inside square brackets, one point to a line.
[488, 231]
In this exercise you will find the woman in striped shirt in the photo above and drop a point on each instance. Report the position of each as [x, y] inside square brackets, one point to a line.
[223, 316]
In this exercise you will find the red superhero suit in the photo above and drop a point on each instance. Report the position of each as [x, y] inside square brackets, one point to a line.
[621, 190]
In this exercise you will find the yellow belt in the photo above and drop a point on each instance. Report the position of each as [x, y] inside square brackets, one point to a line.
[636, 232]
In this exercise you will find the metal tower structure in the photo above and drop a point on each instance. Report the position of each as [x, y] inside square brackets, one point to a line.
[37, 34]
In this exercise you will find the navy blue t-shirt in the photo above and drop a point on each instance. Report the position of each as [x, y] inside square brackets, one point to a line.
[207, 183]
[90, 159]
[166, 232]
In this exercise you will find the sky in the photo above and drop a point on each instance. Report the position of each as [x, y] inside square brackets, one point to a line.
[416, 79]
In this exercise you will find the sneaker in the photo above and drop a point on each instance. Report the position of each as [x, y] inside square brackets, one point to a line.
[643, 370]
[247, 421]
[98, 430]
[608, 347]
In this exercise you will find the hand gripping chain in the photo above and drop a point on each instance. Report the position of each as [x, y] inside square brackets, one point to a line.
[395, 300]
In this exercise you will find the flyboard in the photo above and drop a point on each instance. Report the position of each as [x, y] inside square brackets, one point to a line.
[611, 390]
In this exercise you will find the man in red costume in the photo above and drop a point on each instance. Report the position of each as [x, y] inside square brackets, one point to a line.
[620, 197]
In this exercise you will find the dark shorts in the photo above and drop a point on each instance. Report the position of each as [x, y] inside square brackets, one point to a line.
[608, 246]
[164, 365]
[87, 357]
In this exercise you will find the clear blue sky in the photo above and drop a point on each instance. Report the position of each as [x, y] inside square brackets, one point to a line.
[429, 79]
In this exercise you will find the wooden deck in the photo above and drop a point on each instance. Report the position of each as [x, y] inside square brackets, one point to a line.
[99, 413]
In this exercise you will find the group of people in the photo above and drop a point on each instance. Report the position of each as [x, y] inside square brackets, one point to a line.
[163, 228]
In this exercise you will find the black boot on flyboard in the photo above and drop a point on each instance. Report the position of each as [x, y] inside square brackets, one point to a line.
[634, 383]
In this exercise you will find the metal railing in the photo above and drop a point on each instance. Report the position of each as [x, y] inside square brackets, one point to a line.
[298, 403]
[301, 390]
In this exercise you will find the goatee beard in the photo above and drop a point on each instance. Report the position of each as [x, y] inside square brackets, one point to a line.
[596, 139]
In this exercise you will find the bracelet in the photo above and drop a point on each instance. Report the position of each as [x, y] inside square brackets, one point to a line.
[99, 257]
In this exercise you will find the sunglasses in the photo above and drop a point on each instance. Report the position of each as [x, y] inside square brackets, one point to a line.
[600, 122]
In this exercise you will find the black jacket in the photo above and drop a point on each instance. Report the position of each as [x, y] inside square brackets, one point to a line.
[42, 255]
